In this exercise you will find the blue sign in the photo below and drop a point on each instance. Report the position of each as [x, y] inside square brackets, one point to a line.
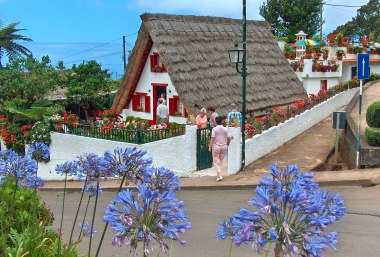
[363, 66]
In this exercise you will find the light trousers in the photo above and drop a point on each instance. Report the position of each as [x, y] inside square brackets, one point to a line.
[217, 159]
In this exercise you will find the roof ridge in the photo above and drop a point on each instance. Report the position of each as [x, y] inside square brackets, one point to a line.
[146, 17]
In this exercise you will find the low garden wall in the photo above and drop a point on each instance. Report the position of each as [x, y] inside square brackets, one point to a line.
[271, 139]
[176, 153]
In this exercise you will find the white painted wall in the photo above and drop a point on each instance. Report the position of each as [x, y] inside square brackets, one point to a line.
[145, 85]
[271, 139]
[176, 153]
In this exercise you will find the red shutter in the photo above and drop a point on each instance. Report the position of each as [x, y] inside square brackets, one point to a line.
[172, 107]
[147, 103]
[135, 102]
[185, 114]
[163, 68]
[153, 61]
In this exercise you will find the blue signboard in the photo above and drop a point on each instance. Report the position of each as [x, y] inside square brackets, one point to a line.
[363, 66]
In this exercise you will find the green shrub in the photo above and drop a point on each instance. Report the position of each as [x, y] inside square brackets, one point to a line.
[40, 133]
[374, 76]
[373, 136]
[37, 241]
[26, 204]
[373, 115]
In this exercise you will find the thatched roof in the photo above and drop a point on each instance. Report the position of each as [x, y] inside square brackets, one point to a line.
[194, 50]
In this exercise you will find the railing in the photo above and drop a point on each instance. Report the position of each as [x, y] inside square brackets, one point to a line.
[118, 134]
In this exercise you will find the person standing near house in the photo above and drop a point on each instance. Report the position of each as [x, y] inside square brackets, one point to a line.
[213, 115]
[162, 113]
[202, 119]
[163, 96]
[220, 139]
[234, 113]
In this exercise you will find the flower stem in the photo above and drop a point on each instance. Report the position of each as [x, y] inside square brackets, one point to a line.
[171, 248]
[2, 229]
[93, 216]
[76, 215]
[11, 210]
[106, 226]
[63, 210]
[230, 250]
[84, 217]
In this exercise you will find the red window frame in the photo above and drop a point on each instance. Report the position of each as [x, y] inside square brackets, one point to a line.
[136, 102]
[324, 84]
[154, 63]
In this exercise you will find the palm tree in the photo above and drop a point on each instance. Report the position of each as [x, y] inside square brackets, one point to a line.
[8, 37]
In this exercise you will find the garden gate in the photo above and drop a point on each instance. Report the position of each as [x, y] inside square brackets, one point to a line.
[204, 157]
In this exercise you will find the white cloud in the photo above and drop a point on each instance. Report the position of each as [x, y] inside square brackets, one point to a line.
[224, 8]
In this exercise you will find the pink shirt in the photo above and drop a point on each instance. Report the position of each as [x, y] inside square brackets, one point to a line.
[220, 134]
[201, 122]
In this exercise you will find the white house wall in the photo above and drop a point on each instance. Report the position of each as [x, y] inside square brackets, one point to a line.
[145, 86]
[313, 85]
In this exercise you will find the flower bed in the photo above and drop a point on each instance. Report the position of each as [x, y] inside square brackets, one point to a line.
[277, 114]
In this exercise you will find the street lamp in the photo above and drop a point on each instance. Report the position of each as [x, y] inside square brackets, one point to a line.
[238, 54]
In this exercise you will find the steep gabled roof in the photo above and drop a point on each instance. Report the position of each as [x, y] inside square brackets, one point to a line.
[194, 50]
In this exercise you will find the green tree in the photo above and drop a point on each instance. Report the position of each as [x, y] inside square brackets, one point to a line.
[84, 83]
[24, 81]
[288, 17]
[8, 38]
[365, 22]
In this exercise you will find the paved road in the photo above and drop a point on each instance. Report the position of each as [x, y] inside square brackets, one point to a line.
[358, 232]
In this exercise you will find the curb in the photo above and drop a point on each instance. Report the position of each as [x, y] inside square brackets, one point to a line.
[359, 182]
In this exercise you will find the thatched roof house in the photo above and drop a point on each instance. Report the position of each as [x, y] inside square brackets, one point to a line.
[194, 50]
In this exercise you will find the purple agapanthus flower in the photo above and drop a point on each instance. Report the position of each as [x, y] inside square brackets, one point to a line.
[93, 167]
[69, 168]
[130, 162]
[86, 229]
[15, 166]
[161, 179]
[149, 216]
[90, 188]
[293, 214]
[39, 152]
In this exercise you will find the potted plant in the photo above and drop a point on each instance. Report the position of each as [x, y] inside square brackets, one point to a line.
[334, 66]
[287, 50]
[350, 49]
[294, 65]
[331, 38]
[340, 53]
[339, 38]
[364, 41]
[57, 122]
[300, 67]
[258, 126]
[325, 52]
[308, 49]
[249, 130]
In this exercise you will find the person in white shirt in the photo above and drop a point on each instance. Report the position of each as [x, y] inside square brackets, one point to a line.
[162, 113]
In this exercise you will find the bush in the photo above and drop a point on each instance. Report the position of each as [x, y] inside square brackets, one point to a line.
[373, 115]
[26, 203]
[374, 76]
[373, 136]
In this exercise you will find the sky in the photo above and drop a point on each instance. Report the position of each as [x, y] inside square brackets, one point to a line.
[74, 31]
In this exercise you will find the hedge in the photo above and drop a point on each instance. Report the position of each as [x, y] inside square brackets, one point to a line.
[373, 115]
[373, 136]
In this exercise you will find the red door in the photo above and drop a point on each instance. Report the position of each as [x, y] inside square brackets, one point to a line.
[158, 90]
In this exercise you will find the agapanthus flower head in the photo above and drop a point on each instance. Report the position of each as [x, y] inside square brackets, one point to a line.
[292, 213]
[94, 167]
[129, 162]
[39, 151]
[17, 167]
[146, 217]
[69, 168]
[90, 188]
[34, 182]
[162, 179]
[86, 229]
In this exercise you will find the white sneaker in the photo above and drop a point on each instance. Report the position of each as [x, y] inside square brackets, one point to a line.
[219, 178]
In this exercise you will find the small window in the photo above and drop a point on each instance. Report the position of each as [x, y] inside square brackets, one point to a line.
[324, 84]
[155, 64]
[141, 102]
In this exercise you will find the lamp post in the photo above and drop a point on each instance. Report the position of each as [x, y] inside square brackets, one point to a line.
[238, 54]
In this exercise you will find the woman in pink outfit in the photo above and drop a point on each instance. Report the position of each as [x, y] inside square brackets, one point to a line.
[220, 139]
